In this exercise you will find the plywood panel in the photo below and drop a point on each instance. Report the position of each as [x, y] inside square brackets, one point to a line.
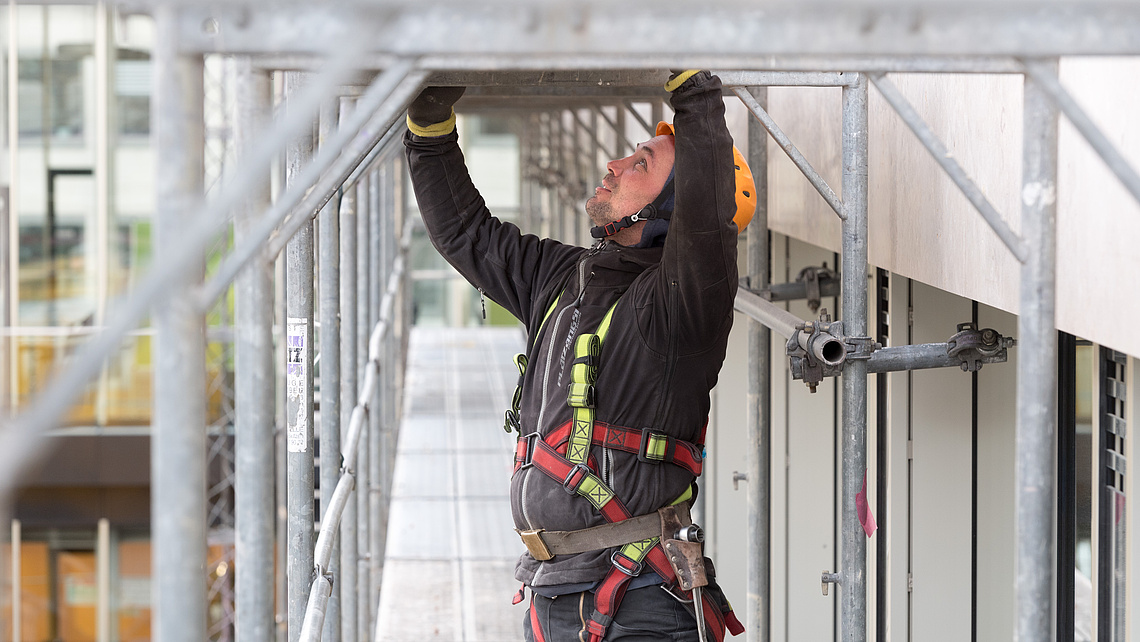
[941, 479]
[997, 459]
[1098, 223]
[812, 119]
[923, 228]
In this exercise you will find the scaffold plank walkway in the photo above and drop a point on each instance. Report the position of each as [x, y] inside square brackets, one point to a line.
[448, 569]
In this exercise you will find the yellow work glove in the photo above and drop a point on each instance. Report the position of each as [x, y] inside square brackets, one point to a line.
[432, 112]
[678, 78]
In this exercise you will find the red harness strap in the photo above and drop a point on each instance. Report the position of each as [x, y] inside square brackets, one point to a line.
[643, 443]
[535, 627]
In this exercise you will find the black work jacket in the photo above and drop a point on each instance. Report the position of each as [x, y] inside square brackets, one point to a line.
[667, 339]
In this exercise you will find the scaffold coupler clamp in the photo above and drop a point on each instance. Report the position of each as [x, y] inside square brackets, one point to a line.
[817, 349]
[810, 277]
[976, 347]
[861, 347]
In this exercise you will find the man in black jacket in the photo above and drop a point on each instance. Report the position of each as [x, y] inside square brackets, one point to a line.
[625, 341]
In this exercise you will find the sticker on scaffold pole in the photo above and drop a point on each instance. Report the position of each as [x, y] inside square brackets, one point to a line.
[297, 385]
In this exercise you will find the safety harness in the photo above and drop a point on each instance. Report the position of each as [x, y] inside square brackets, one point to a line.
[563, 455]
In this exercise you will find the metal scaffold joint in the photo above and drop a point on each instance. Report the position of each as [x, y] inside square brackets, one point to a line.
[819, 349]
[816, 350]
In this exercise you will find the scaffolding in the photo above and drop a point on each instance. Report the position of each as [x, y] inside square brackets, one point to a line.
[338, 232]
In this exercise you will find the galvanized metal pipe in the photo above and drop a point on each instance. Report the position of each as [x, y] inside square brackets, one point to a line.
[299, 410]
[913, 357]
[957, 64]
[328, 270]
[318, 606]
[946, 160]
[1037, 366]
[253, 390]
[103, 581]
[376, 416]
[785, 78]
[346, 583]
[364, 276]
[797, 291]
[473, 70]
[853, 546]
[595, 139]
[395, 131]
[771, 315]
[178, 437]
[759, 546]
[790, 149]
[1045, 76]
[649, 129]
[381, 105]
[618, 127]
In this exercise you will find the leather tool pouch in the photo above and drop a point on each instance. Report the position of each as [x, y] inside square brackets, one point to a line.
[685, 557]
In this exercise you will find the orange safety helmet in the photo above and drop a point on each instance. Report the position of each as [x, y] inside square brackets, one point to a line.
[745, 185]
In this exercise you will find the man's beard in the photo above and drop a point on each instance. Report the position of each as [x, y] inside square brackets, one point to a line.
[600, 213]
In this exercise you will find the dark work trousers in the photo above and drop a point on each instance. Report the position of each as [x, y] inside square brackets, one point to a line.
[645, 615]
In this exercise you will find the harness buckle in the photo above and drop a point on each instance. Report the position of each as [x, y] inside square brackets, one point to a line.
[655, 447]
[528, 454]
[626, 564]
[569, 485]
[534, 544]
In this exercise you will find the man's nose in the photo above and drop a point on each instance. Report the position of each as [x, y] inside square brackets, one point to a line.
[617, 166]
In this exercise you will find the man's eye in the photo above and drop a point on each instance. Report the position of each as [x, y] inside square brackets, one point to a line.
[643, 163]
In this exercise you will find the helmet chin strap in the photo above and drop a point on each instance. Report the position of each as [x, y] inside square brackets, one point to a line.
[652, 211]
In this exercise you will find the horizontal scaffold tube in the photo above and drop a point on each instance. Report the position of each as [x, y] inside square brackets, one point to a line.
[826, 347]
[914, 357]
[771, 315]
[322, 585]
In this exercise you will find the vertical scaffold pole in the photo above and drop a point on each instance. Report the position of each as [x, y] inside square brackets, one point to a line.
[328, 270]
[178, 441]
[364, 278]
[299, 379]
[853, 569]
[1037, 368]
[253, 389]
[759, 394]
[348, 382]
[376, 417]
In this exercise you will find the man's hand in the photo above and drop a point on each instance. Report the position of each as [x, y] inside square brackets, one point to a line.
[431, 113]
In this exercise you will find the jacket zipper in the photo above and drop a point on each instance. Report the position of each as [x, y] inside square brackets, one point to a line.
[550, 360]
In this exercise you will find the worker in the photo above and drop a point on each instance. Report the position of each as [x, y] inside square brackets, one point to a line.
[625, 341]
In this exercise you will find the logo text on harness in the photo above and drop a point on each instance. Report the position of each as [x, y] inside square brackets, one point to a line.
[573, 332]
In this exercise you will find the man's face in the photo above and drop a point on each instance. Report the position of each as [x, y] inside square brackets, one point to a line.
[632, 182]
